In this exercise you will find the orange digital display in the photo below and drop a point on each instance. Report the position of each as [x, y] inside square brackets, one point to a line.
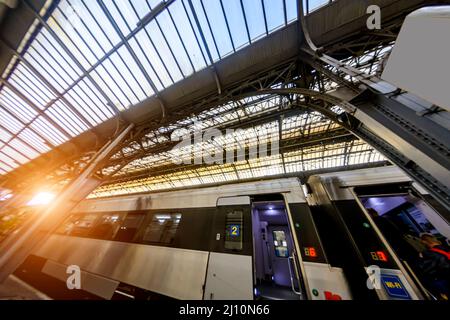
[310, 252]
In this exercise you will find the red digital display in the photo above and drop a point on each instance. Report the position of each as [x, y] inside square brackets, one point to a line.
[382, 256]
[379, 256]
[310, 252]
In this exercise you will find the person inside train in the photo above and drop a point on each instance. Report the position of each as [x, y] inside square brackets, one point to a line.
[435, 265]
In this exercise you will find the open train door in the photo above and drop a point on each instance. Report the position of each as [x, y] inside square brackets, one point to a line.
[353, 241]
[320, 280]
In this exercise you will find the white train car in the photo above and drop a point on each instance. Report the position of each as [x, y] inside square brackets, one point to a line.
[274, 239]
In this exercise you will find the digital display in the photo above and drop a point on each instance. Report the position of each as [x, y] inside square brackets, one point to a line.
[234, 230]
[379, 256]
[310, 252]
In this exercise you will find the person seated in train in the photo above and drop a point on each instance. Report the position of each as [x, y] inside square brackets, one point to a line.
[435, 265]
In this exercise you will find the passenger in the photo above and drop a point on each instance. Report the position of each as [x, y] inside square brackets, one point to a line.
[435, 266]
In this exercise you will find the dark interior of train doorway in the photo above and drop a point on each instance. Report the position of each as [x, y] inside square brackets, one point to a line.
[405, 219]
[275, 275]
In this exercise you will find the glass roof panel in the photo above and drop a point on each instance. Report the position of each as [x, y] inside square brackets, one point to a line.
[9, 122]
[48, 131]
[255, 16]
[275, 14]
[236, 22]
[37, 142]
[175, 43]
[96, 58]
[164, 51]
[30, 152]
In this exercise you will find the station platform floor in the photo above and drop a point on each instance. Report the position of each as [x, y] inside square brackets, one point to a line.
[15, 289]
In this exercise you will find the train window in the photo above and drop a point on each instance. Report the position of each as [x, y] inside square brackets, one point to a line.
[162, 228]
[81, 225]
[280, 244]
[107, 225]
[233, 232]
[67, 227]
[129, 227]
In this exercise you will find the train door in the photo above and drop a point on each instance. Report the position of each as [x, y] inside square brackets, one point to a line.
[352, 242]
[229, 272]
[276, 277]
[402, 218]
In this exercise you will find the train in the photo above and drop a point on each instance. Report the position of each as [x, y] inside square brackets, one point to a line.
[280, 239]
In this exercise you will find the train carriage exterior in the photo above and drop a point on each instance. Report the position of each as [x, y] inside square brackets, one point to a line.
[274, 239]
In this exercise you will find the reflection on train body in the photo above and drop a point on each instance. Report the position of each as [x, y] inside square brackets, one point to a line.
[259, 240]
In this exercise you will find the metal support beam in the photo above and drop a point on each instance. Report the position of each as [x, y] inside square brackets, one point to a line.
[388, 123]
[17, 247]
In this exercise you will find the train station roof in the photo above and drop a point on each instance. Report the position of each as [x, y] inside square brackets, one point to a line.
[75, 68]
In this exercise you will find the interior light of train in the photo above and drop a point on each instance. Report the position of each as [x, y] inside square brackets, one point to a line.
[162, 218]
[42, 198]
[310, 252]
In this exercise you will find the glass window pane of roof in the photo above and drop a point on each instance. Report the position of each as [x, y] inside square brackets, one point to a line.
[34, 140]
[9, 122]
[18, 144]
[236, 21]
[118, 76]
[4, 136]
[164, 51]
[34, 82]
[62, 115]
[48, 49]
[72, 38]
[7, 163]
[255, 18]
[123, 15]
[216, 19]
[148, 58]
[274, 13]
[13, 154]
[102, 76]
[291, 9]
[89, 102]
[90, 14]
[175, 43]
[132, 74]
[210, 41]
[46, 129]
[16, 105]
[187, 35]
[141, 7]
[315, 4]
[42, 63]
[29, 90]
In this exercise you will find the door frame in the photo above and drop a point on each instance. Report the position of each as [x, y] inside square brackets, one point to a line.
[410, 277]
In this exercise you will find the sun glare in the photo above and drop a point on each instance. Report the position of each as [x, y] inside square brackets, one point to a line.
[41, 198]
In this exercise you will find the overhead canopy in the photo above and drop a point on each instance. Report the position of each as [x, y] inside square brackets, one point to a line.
[98, 58]
[82, 63]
